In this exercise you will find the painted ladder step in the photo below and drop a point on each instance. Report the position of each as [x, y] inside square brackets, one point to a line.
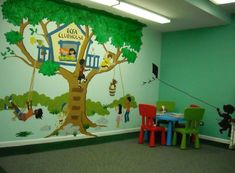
[74, 117]
[75, 107]
[77, 98]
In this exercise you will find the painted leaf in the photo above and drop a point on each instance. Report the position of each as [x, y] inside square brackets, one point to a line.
[130, 55]
[49, 68]
[8, 49]
[13, 37]
[32, 40]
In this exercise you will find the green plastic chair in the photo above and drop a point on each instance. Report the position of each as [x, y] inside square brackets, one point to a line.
[169, 105]
[192, 116]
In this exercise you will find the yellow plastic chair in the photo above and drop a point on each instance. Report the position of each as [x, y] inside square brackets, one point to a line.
[193, 117]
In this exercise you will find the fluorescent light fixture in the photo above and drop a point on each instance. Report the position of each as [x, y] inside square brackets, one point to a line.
[141, 12]
[222, 1]
[107, 2]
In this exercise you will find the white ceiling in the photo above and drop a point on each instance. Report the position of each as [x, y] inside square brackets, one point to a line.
[183, 14]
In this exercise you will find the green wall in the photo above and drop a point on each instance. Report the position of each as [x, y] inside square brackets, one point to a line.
[202, 63]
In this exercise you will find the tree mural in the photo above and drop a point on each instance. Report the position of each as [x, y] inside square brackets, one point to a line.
[28, 15]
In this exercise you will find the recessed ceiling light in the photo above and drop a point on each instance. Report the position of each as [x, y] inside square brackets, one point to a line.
[222, 1]
[137, 11]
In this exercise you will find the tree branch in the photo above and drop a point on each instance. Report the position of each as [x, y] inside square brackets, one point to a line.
[27, 54]
[21, 58]
[119, 52]
[58, 25]
[90, 36]
[102, 70]
[87, 31]
[48, 21]
[104, 47]
[44, 28]
[22, 47]
[65, 73]
[122, 61]
[23, 26]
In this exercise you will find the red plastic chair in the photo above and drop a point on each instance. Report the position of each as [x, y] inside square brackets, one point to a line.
[148, 113]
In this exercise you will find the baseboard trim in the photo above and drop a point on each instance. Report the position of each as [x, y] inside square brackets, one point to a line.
[71, 143]
[64, 138]
[81, 136]
[214, 139]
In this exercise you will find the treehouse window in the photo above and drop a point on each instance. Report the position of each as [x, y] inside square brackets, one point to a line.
[92, 61]
[68, 50]
[43, 54]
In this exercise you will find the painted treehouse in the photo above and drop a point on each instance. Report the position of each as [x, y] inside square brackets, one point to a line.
[61, 35]
[65, 46]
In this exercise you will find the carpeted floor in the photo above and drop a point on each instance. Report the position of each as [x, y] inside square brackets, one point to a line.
[125, 156]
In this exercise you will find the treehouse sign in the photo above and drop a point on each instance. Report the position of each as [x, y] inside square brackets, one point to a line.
[71, 33]
[65, 45]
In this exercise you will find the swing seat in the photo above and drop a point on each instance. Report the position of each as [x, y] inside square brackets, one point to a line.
[112, 90]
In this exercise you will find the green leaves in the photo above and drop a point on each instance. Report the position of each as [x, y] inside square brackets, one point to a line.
[13, 37]
[130, 55]
[59, 103]
[33, 31]
[56, 105]
[49, 68]
[3, 54]
[7, 53]
[122, 101]
[95, 107]
[123, 32]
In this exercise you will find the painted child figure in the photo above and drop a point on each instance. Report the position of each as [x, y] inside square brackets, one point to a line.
[106, 61]
[25, 116]
[128, 106]
[225, 123]
[119, 114]
[72, 53]
[81, 75]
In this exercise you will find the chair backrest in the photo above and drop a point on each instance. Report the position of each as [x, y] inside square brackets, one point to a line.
[194, 106]
[169, 105]
[148, 113]
[193, 116]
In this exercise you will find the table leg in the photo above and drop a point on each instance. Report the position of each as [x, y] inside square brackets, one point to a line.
[146, 135]
[169, 133]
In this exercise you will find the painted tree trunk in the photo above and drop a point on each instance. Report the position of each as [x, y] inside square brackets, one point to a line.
[76, 114]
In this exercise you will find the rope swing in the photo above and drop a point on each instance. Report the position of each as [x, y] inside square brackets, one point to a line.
[30, 93]
[123, 91]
